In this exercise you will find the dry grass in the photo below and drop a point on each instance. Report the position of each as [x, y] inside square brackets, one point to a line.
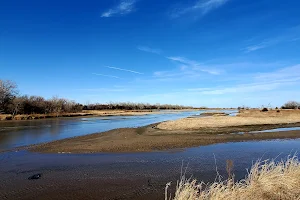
[251, 117]
[40, 116]
[266, 180]
[270, 113]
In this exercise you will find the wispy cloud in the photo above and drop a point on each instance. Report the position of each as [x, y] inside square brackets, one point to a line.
[126, 70]
[149, 50]
[124, 7]
[259, 82]
[202, 7]
[289, 73]
[104, 90]
[106, 75]
[193, 65]
[289, 35]
[262, 45]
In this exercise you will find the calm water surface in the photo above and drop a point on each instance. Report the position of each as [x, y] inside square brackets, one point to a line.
[20, 133]
[130, 175]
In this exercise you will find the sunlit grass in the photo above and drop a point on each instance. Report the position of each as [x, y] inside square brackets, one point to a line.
[265, 180]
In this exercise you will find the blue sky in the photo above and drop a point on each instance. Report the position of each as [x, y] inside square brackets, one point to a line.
[194, 52]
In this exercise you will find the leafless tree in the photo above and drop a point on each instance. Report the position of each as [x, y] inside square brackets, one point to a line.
[8, 91]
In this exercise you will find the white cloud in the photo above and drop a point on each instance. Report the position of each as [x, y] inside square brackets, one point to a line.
[289, 35]
[125, 7]
[106, 75]
[194, 66]
[289, 73]
[149, 50]
[200, 7]
[270, 81]
[121, 69]
[256, 47]
[104, 90]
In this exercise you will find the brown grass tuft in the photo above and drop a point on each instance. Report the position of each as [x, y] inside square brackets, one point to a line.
[266, 180]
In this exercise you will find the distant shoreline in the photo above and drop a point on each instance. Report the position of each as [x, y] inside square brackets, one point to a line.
[95, 113]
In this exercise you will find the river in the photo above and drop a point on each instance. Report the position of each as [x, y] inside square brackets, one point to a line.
[22, 133]
[140, 176]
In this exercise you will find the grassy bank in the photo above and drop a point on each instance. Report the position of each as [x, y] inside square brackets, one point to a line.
[266, 180]
[41, 116]
[244, 118]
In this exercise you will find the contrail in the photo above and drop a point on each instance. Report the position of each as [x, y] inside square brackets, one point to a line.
[107, 75]
[127, 70]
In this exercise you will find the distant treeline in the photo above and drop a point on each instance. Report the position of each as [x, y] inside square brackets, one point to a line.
[133, 106]
[287, 105]
[13, 103]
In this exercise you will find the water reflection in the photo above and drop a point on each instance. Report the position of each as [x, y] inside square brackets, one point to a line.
[19, 133]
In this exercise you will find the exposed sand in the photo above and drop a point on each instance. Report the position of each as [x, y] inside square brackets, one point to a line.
[251, 117]
[181, 133]
[147, 139]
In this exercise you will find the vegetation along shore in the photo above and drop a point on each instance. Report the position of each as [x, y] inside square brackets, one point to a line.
[265, 180]
[14, 106]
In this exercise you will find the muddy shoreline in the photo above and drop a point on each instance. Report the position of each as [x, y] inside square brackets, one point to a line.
[149, 138]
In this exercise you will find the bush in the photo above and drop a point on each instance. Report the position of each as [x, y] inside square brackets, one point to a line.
[265, 110]
[291, 105]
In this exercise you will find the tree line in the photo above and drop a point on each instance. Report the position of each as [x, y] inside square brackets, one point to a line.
[11, 102]
[134, 106]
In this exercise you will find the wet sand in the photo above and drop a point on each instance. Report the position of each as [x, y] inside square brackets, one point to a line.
[126, 176]
[150, 138]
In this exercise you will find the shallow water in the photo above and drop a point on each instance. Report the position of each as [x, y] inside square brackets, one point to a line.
[130, 175]
[278, 130]
[271, 130]
[20, 133]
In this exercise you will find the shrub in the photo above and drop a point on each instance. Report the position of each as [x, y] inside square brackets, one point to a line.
[265, 110]
[291, 105]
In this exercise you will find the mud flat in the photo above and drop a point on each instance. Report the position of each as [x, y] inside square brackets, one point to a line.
[149, 138]
[182, 133]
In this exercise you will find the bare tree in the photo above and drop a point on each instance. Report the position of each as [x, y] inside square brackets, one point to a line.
[8, 91]
[291, 105]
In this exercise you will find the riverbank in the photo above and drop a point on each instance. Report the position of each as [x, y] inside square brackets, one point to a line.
[96, 113]
[5, 117]
[133, 176]
[244, 118]
[149, 138]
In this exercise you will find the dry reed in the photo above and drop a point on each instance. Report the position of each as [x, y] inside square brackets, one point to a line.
[266, 180]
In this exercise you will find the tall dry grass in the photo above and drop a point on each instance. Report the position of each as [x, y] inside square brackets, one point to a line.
[266, 180]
